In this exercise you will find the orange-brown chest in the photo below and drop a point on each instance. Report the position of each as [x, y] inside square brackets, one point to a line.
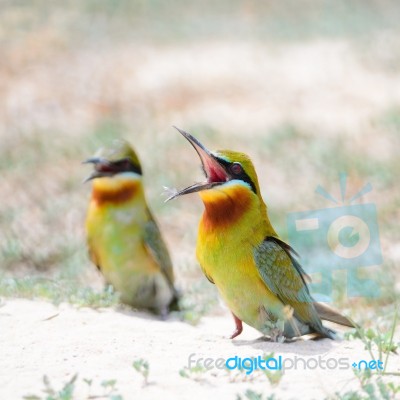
[224, 208]
[115, 194]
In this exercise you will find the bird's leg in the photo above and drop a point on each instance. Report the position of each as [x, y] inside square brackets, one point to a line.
[239, 327]
[163, 311]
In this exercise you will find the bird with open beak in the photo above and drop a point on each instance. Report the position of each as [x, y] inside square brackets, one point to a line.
[257, 274]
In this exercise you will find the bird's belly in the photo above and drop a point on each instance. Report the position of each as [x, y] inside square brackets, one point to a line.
[126, 264]
[249, 299]
[241, 287]
[136, 277]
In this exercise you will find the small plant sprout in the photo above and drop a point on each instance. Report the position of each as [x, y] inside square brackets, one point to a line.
[274, 377]
[65, 393]
[142, 367]
[68, 391]
[195, 373]
[252, 395]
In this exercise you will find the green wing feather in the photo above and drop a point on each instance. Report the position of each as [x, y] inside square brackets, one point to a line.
[285, 277]
[158, 250]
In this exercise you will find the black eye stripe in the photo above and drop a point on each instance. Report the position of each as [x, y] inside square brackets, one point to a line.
[126, 165]
[242, 176]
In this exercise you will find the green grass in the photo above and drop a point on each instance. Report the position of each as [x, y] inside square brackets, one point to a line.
[371, 388]
[375, 385]
[57, 291]
[382, 341]
[198, 299]
[250, 394]
[68, 390]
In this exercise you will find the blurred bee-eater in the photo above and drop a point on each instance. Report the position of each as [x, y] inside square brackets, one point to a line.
[256, 273]
[123, 238]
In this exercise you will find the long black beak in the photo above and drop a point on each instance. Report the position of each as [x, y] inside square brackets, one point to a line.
[97, 173]
[203, 153]
[213, 170]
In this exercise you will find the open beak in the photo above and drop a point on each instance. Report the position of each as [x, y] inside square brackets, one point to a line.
[102, 167]
[214, 171]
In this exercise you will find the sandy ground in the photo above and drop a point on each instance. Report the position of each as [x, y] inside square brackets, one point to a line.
[37, 338]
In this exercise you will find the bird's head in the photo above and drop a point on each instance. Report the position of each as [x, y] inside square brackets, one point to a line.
[221, 168]
[114, 160]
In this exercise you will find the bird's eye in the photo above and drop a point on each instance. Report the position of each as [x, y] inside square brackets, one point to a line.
[236, 168]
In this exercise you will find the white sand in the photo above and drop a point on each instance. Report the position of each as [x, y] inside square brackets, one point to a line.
[37, 338]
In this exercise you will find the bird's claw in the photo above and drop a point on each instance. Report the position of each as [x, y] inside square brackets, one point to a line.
[237, 332]
[239, 327]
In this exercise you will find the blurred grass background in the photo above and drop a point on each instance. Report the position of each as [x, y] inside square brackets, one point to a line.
[307, 88]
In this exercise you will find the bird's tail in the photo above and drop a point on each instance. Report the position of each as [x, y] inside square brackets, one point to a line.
[330, 314]
[296, 328]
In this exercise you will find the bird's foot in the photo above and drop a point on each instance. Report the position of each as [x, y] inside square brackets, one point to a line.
[277, 336]
[236, 332]
[239, 327]
[163, 313]
[274, 330]
[277, 333]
